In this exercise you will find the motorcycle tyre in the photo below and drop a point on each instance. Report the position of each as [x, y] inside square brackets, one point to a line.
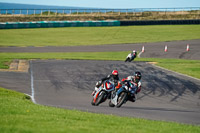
[93, 102]
[111, 104]
[124, 98]
[127, 59]
[100, 98]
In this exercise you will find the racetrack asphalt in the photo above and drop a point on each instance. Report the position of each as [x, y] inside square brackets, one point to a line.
[176, 49]
[68, 84]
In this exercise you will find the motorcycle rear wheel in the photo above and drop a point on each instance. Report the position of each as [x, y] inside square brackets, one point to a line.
[111, 104]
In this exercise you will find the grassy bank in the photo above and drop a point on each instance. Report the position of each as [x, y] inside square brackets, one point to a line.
[102, 15]
[189, 67]
[97, 35]
[19, 114]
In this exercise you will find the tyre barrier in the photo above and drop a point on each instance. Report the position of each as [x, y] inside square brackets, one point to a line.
[50, 24]
[159, 22]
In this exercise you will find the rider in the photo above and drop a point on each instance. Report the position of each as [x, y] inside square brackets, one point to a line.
[133, 55]
[135, 81]
[114, 77]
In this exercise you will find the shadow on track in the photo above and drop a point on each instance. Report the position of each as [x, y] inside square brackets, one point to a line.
[163, 83]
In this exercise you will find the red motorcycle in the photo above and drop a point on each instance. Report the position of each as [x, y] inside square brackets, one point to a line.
[103, 93]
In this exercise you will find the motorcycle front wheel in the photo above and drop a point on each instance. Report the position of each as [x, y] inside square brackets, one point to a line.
[127, 59]
[121, 99]
[93, 102]
[100, 98]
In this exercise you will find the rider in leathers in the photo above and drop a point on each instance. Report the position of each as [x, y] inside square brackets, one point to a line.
[112, 77]
[133, 55]
[135, 84]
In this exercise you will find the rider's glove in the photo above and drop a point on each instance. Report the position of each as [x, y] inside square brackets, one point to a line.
[108, 76]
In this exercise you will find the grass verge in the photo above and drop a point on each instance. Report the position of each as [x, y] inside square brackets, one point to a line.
[97, 35]
[189, 67]
[19, 114]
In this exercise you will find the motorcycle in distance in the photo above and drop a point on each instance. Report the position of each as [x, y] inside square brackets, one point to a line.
[130, 57]
[122, 95]
[103, 92]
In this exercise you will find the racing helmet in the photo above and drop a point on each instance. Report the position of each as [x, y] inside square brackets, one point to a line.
[134, 51]
[115, 74]
[137, 76]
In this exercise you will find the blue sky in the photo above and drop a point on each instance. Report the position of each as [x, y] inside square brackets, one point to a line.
[112, 3]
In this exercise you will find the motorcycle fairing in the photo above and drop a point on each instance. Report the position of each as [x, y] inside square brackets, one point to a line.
[108, 86]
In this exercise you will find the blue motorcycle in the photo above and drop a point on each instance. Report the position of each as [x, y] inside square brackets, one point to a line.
[122, 95]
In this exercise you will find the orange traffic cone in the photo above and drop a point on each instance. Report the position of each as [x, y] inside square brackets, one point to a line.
[143, 49]
[165, 48]
[188, 49]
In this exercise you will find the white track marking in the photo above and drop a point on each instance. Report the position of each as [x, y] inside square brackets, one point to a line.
[140, 54]
[32, 84]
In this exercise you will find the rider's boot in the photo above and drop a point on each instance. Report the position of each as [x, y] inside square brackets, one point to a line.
[135, 98]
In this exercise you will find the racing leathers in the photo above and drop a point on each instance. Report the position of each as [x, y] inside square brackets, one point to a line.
[113, 78]
[134, 87]
[131, 56]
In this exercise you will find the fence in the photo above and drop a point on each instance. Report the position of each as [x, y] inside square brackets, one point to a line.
[188, 10]
[132, 14]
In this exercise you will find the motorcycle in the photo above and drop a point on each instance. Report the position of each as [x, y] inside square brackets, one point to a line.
[125, 93]
[103, 93]
[131, 57]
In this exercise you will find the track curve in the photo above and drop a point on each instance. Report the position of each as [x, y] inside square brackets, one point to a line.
[68, 84]
[165, 95]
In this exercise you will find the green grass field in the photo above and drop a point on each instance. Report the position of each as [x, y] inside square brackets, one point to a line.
[20, 115]
[97, 35]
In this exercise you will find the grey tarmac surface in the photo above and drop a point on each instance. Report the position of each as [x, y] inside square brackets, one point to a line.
[176, 49]
[68, 84]
[18, 81]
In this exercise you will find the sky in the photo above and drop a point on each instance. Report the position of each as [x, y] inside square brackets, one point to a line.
[112, 3]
